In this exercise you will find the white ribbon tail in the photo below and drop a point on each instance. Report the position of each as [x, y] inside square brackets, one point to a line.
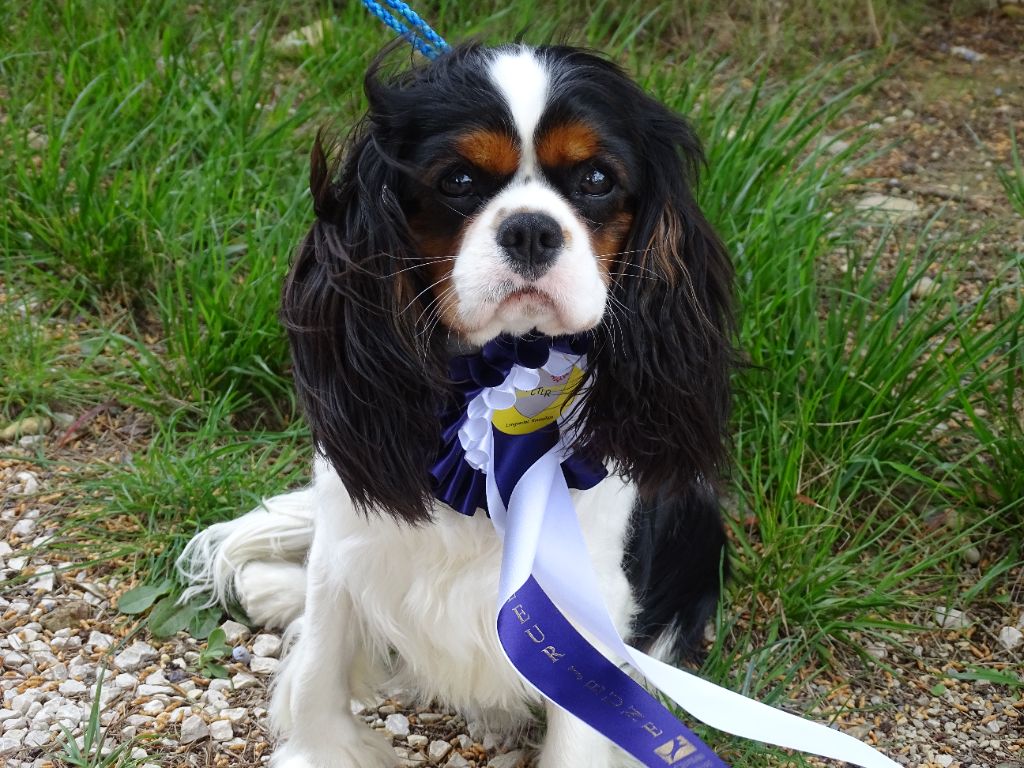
[562, 566]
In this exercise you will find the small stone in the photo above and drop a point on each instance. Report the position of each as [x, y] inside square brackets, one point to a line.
[32, 425]
[193, 729]
[220, 730]
[234, 632]
[36, 739]
[417, 740]
[243, 680]
[14, 660]
[1010, 638]
[264, 665]
[154, 707]
[240, 654]
[457, 761]
[888, 208]
[17, 723]
[967, 54]
[951, 618]
[925, 286]
[155, 690]
[972, 556]
[29, 482]
[512, 759]
[944, 760]
[135, 655]
[438, 750]
[397, 725]
[7, 746]
[430, 718]
[235, 714]
[266, 645]
[72, 688]
[994, 725]
[299, 41]
[65, 616]
[220, 685]
[99, 640]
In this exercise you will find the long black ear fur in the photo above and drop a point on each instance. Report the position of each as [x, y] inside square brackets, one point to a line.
[659, 397]
[369, 387]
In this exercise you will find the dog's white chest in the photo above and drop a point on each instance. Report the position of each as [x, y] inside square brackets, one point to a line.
[429, 593]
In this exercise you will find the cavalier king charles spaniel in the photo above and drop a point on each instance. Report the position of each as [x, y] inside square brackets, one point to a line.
[493, 191]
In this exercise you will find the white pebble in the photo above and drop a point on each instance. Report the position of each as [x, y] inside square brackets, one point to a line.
[155, 690]
[99, 640]
[154, 707]
[1010, 637]
[235, 714]
[266, 645]
[951, 618]
[263, 665]
[438, 750]
[417, 740]
[241, 681]
[134, 656]
[397, 725]
[193, 729]
[508, 760]
[36, 738]
[234, 632]
[220, 685]
[14, 723]
[72, 688]
[220, 730]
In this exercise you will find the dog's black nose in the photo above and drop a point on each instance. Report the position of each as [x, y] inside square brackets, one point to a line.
[531, 242]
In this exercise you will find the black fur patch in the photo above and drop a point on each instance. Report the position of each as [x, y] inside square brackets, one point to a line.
[676, 560]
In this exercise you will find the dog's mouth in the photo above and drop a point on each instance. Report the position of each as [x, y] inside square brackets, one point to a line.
[525, 299]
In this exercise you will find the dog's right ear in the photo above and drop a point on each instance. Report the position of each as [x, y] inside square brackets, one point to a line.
[370, 388]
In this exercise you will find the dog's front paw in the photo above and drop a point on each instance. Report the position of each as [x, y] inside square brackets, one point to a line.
[359, 748]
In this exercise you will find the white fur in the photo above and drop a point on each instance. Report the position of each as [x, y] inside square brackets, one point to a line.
[573, 291]
[389, 605]
[522, 79]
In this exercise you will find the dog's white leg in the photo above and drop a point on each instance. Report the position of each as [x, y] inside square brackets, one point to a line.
[311, 703]
[571, 743]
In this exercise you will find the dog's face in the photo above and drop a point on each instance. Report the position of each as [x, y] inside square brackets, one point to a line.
[525, 205]
[509, 190]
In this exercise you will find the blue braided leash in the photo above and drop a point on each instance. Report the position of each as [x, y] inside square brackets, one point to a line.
[415, 30]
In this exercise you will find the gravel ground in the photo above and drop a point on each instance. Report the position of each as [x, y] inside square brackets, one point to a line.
[59, 627]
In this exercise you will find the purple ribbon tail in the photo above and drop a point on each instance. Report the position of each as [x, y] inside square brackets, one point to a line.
[548, 651]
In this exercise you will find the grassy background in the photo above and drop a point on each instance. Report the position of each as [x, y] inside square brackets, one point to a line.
[154, 161]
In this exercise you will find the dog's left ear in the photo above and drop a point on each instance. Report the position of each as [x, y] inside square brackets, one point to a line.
[659, 397]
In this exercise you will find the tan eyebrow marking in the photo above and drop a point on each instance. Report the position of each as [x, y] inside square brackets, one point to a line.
[567, 144]
[491, 151]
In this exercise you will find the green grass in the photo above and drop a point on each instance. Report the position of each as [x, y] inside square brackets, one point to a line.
[155, 162]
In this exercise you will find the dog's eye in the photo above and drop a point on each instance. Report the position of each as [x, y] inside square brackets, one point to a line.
[596, 182]
[457, 184]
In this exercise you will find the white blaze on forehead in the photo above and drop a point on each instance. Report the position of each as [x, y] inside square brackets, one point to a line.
[523, 80]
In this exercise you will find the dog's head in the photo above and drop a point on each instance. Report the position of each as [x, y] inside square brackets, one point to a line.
[507, 190]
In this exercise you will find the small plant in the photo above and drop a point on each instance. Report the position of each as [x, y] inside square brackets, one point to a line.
[168, 615]
[92, 752]
[216, 650]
